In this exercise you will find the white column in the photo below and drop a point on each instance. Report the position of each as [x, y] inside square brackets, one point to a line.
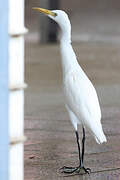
[16, 86]
[4, 94]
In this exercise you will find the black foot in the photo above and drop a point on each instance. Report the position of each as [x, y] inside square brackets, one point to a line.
[77, 170]
[86, 170]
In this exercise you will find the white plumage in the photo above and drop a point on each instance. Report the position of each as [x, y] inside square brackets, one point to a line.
[80, 95]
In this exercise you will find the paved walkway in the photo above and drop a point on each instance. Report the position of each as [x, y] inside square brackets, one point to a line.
[51, 140]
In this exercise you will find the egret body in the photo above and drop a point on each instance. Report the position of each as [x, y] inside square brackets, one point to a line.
[80, 95]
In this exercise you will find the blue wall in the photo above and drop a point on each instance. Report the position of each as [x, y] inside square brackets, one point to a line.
[4, 90]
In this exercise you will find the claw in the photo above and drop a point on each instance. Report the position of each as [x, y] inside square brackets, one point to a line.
[87, 170]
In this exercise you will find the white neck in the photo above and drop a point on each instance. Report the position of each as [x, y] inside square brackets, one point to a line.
[69, 61]
[65, 36]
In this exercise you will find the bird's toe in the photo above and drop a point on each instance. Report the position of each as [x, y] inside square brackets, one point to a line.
[76, 170]
[68, 170]
[84, 170]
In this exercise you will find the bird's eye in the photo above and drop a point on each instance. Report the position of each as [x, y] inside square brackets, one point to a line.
[55, 15]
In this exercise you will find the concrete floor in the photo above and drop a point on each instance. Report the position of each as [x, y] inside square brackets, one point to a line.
[51, 141]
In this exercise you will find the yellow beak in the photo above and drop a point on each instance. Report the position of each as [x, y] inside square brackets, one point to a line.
[45, 11]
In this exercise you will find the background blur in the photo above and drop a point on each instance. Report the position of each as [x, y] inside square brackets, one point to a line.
[96, 41]
[93, 20]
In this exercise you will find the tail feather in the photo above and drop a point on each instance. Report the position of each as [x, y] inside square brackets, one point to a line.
[98, 133]
[101, 139]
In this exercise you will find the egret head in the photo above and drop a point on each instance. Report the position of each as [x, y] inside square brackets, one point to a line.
[59, 16]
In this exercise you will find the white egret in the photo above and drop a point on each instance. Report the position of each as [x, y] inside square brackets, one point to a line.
[80, 95]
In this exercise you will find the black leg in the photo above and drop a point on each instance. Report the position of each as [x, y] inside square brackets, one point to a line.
[87, 170]
[83, 145]
[77, 136]
[71, 170]
[79, 169]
